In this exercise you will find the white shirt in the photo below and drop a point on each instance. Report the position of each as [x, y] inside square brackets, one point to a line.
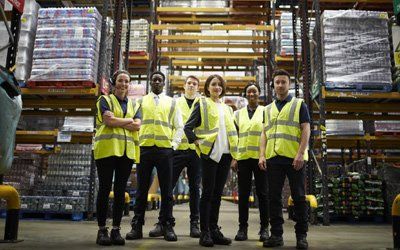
[178, 121]
[221, 144]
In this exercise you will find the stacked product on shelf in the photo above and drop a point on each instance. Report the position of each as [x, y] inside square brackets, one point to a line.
[139, 35]
[319, 196]
[24, 173]
[387, 127]
[356, 50]
[344, 127]
[106, 63]
[66, 47]
[353, 196]
[26, 40]
[285, 34]
[63, 188]
[194, 3]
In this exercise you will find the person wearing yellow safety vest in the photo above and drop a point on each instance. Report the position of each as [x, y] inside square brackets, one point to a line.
[186, 156]
[212, 129]
[283, 150]
[249, 123]
[115, 150]
[160, 118]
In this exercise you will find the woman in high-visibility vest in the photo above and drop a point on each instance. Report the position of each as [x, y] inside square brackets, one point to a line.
[212, 129]
[115, 151]
[249, 123]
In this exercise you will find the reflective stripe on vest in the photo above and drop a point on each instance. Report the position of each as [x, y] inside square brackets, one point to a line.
[157, 123]
[116, 141]
[249, 133]
[283, 130]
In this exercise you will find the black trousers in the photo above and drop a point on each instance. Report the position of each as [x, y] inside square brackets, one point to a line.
[276, 177]
[161, 158]
[214, 177]
[106, 168]
[246, 169]
[190, 160]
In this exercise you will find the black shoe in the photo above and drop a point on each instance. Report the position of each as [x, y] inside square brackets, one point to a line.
[241, 234]
[136, 232]
[116, 238]
[263, 234]
[273, 241]
[206, 240]
[169, 233]
[194, 230]
[302, 242]
[157, 231]
[219, 238]
[102, 237]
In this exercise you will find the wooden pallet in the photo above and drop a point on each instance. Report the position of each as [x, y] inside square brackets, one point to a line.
[61, 84]
[358, 87]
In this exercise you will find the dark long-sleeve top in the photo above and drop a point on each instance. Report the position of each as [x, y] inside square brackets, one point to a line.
[193, 122]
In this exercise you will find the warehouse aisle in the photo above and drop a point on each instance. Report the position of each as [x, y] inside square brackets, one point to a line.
[39, 234]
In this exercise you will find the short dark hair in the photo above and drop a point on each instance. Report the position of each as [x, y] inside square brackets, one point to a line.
[249, 85]
[158, 73]
[193, 77]
[117, 73]
[280, 72]
[208, 81]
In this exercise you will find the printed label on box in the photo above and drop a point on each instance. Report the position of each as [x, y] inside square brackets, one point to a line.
[68, 207]
[46, 206]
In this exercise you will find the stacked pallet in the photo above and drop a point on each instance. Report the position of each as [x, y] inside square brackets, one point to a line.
[356, 51]
[66, 48]
[139, 35]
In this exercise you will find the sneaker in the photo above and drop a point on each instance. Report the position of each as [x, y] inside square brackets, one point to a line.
[194, 230]
[241, 234]
[169, 233]
[102, 237]
[301, 242]
[273, 241]
[157, 231]
[136, 232]
[205, 239]
[263, 234]
[116, 238]
[218, 238]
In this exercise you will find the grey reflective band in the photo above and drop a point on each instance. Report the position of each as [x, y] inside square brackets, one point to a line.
[133, 107]
[293, 109]
[207, 144]
[285, 136]
[254, 133]
[253, 148]
[243, 134]
[234, 149]
[184, 140]
[172, 110]
[232, 133]
[289, 123]
[148, 136]
[113, 136]
[206, 132]
[267, 112]
[156, 122]
[156, 137]
[205, 113]
[237, 117]
[249, 148]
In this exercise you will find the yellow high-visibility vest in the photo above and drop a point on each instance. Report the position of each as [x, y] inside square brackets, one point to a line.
[114, 141]
[157, 121]
[208, 130]
[283, 130]
[185, 111]
[249, 132]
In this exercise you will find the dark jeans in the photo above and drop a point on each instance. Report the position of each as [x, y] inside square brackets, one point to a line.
[276, 178]
[106, 167]
[161, 158]
[246, 169]
[190, 160]
[214, 176]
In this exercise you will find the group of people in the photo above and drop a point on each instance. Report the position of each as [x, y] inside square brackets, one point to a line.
[205, 136]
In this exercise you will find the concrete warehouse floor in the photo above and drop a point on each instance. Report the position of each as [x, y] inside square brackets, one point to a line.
[40, 234]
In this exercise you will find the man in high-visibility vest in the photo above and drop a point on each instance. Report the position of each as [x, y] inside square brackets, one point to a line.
[186, 156]
[283, 150]
[160, 134]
